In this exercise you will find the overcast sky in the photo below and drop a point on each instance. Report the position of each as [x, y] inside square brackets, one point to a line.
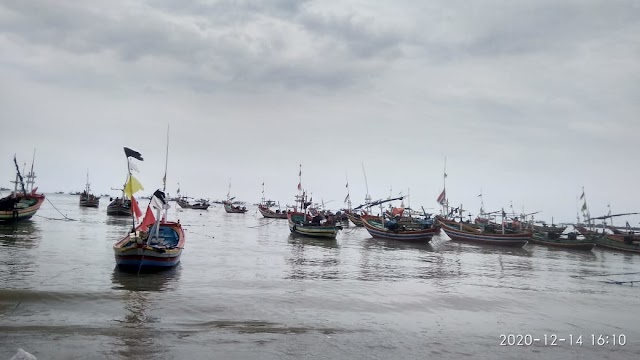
[528, 100]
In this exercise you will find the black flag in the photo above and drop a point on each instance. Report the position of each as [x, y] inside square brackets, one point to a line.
[132, 153]
[160, 195]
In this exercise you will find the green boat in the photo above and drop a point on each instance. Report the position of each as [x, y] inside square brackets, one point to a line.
[556, 240]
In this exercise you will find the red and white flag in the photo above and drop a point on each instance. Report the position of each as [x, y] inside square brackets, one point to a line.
[441, 197]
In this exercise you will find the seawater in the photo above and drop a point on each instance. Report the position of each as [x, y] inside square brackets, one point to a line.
[247, 289]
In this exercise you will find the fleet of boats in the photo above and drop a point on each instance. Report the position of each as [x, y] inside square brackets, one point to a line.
[156, 242]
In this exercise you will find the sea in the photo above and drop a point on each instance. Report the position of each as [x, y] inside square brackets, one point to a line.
[246, 288]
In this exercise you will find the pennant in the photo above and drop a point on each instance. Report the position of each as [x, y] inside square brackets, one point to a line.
[479, 195]
[346, 198]
[132, 153]
[135, 207]
[132, 187]
[445, 175]
[299, 186]
[148, 220]
[628, 225]
[133, 166]
[582, 196]
[441, 197]
[347, 185]
[584, 206]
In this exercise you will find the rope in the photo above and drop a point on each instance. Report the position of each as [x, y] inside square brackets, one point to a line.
[65, 216]
[252, 227]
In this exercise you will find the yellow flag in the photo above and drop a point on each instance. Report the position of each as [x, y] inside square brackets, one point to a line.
[132, 187]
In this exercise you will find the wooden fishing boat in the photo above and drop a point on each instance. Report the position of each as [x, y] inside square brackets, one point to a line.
[393, 230]
[569, 242]
[462, 232]
[303, 224]
[119, 207]
[546, 229]
[24, 203]
[201, 204]
[156, 243]
[265, 208]
[146, 249]
[621, 242]
[355, 218]
[267, 212]
[87, 199]
[233, 209]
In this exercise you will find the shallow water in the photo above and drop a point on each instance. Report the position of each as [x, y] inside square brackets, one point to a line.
[247, 289]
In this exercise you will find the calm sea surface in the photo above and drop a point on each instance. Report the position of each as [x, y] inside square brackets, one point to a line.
[247, 289]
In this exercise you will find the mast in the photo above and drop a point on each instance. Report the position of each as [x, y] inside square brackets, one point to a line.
[19, 179]
[166, 163]
[31, 175]
[348, 194]
[367, 197]
[445, 204]
[300, 188]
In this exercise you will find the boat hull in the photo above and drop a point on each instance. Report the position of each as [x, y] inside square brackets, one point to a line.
[453, 230]
[616, 242]
[356, 220]
[541, 239]
[133, 255]
[89, 202]
[268, 213]
[23, 208]
[119, 208]
[298, 224]
[376, 230]
[229, 208]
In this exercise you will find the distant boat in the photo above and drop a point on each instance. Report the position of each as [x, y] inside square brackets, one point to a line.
[628, 242]
[59, 192]
[229, 206]
[154, 244]
[265, 208]
[119, 207]
[24, 203]
[87, 199]
[4, 189]
[201, 204]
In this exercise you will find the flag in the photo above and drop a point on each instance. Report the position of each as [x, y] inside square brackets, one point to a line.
[299, 186]
[132, 187]
[582, 196]
[504, 214]
[132, 166]
[347, 185]
[445, 175]
[346, 198]
[628, 225]
[158, 200]
[441, 197]
[148, 220]
[132, 153]
[479, 195]
[584, 206]
[135, 207]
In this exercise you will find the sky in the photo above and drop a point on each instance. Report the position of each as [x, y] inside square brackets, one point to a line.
[528, 101]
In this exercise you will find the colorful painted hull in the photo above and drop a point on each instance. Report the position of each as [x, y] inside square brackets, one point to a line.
[374, 227]
[22, 207]
[229, 208]
[542, 239]
[268, 213]
[470, 234]
[298, 224]
[130, 254]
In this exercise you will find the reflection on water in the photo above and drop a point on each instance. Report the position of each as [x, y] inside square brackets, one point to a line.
[313, 258]
[25, 234]
[139, 333]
